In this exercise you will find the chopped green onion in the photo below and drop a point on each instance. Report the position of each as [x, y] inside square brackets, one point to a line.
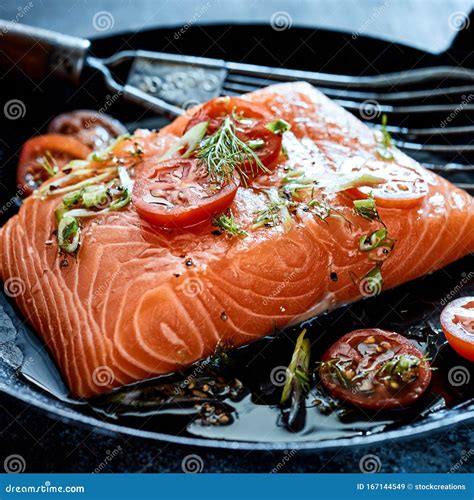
[95, 196]
[359, 181]
[190, 140]
[122, 201]
[105, 153]
[383, 148]
[372, 282]
[372, 241]
[297, 382]
[366, 208]
[106, 174]
[227, 223]
[255, 144]
[278, 126]
[404, 368]
[68, 234]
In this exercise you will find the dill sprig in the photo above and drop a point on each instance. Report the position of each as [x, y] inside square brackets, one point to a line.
[225, 154]
[226, 222]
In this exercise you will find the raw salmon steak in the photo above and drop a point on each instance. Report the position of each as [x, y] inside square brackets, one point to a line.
[135, 301]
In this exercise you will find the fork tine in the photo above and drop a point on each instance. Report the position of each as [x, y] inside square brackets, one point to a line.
[415, 76]
[417, 132]
[435, 148]
[250, 83]
[237, 89]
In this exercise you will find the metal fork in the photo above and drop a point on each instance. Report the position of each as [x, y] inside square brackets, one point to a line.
[421, 104]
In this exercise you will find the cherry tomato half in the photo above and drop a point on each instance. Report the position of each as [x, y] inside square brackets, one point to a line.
[178, 193]
[48, 150]
[457, 320]
[375, 369]
[91, 128]
[404, 186]
[217, 109]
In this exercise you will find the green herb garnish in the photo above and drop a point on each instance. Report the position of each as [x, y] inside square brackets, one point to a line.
[225, 154]
[49, 164]
[298, 379]
[372, 241]
[401, 369]
[189, 141]
[366, 208]
[278, 126]
[226, 222]
[384, 146]
[68, 234]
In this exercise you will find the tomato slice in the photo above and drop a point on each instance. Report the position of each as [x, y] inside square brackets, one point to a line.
[404, 186]
[94, 129]
[457, 320]
[178, 193]
[217, 109]
[53, 149]
[375, 369]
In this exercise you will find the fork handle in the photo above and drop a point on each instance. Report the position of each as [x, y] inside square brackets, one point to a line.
[38, 52]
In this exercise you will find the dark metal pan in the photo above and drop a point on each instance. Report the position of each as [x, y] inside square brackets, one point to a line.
[412, 309]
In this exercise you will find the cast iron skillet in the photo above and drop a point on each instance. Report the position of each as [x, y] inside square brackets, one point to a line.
[414, 307]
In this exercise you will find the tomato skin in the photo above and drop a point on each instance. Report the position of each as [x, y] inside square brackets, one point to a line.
[405, 188]
[30, 173]
[217, 109]
[173, 181]
[458, 337]
[95, 130]
[347, 347]
[269, 153]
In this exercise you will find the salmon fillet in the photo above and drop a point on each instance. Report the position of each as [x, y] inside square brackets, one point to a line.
[137, 302]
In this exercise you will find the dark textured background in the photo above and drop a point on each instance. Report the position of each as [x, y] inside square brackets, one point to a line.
[49, 444]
